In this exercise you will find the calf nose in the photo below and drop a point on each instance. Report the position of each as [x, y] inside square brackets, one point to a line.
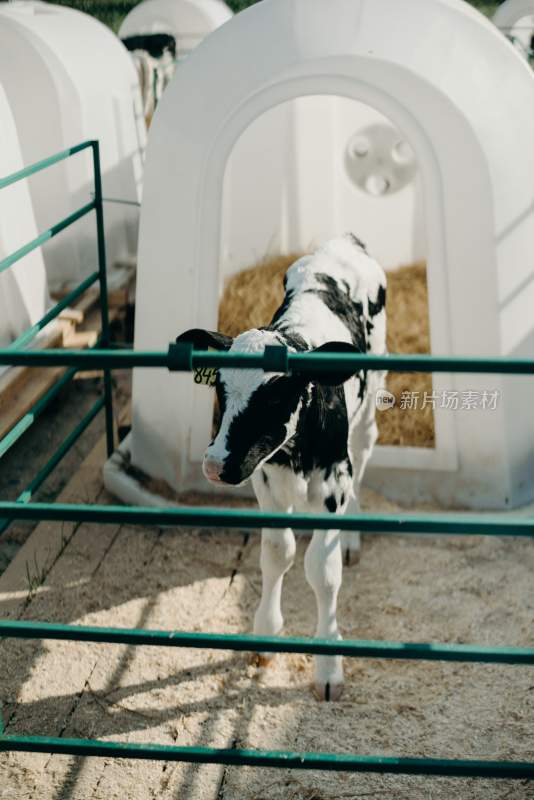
[212, 468]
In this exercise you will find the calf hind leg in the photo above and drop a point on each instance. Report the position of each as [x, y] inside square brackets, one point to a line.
[363, 439]
[323, 568]
[351, 540]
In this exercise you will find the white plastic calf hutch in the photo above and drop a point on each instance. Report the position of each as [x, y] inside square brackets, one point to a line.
[464, 100]
[189, 21]
[357, 163]
[68, 78]
[515, 18]
[317, 166]
[23, 288]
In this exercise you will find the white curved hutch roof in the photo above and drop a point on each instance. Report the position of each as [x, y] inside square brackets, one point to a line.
[68, 78]
[515, 18]
[23, 289]
[510, 12]
[189, 21]
[464, 99]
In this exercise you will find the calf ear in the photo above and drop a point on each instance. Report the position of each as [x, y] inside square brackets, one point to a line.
[338, 377]
[203, 340]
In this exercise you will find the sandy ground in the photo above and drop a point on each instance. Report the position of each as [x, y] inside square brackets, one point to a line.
[404, 588]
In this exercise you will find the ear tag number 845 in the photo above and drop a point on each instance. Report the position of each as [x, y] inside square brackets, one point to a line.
[205, 376]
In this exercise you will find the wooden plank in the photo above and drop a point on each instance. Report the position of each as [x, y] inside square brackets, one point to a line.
[72, 315]
[10, 378]
[93, 323]
[77, 327]
[21, 387]
[32, 386]
[39, 553]
[78, 340]
[41, 549]
[84, 303]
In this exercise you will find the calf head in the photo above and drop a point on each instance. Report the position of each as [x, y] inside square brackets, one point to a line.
[259, 411]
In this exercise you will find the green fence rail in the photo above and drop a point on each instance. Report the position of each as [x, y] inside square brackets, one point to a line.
[450, 768]
[450, 524]
[421, 651]
[182, 357]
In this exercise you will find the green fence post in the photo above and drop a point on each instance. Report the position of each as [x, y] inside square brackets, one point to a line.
[108, 390]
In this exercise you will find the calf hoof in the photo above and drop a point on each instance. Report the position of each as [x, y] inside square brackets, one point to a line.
[350, 547]
[351, 557]
[328, 691]
[262, 660]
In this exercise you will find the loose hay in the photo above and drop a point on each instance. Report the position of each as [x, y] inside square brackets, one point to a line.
[408, 331]
[252, 296]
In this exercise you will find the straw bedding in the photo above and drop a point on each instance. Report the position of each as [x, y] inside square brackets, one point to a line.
[251, 297]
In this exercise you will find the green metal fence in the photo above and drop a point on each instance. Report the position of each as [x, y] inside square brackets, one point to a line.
[181, 357]
[98, 276]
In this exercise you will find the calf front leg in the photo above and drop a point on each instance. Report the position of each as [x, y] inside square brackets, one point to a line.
[277, 555]
[323, 566]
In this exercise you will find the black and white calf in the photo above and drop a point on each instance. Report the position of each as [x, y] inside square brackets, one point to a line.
[305, 441]
[154, 57]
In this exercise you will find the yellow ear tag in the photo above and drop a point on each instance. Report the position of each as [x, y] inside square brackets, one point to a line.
[205, 376]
